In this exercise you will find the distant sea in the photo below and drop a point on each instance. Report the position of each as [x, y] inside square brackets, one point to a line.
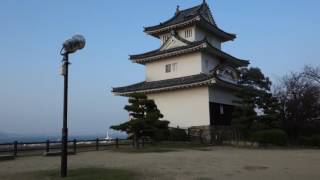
[4, 138]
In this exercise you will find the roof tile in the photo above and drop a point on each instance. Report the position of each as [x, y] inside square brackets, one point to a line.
[163, 83]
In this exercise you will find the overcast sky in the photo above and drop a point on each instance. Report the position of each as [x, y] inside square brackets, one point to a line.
[277, 36]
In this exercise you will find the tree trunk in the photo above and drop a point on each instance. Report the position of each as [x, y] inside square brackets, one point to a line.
[135, 141]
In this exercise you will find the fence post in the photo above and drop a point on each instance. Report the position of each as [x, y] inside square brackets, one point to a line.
[75, 146]
[117, 143]
[97, 144]
[15, 148]
[47, 146]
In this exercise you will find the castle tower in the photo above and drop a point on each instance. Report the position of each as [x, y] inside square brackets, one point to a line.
[190, 78]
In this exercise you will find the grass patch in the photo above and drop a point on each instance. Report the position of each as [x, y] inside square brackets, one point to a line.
[77, 174]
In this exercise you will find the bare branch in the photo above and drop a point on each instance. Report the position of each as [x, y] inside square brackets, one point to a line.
[312, 73]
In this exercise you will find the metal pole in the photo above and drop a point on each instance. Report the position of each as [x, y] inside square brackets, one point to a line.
[117, 143]
[97, 144]
[64, 146]
[47, 146]
[75, 146]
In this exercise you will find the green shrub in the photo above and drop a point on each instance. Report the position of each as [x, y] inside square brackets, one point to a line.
[272, 136]
[315, 140]
[177, 134]
[302, 140]
[310, 141]
[161, 135]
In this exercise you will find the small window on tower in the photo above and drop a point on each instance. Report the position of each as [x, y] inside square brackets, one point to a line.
[168, 68]
[174, 67]
[165, 38]
[188, 33]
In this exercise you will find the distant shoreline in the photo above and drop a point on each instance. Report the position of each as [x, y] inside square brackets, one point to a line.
[40, 138]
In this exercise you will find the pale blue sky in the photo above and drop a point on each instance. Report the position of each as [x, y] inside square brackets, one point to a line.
[277, 36]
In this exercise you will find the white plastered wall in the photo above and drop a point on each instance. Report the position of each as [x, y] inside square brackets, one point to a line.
[185, 107]
[208, 62]
[181, 33]
[188, 64]
[197, 35]
[168, 35]
[172, 42]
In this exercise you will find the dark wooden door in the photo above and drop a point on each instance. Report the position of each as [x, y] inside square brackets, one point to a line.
[220, 114]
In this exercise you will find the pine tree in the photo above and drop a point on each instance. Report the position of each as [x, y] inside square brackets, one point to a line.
[244, 113]
[254, 96]
[270, 119]
[144, 119]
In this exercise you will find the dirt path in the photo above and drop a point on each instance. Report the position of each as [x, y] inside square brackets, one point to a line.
[215, 163]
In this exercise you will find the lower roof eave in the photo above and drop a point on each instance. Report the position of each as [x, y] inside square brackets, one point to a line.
[224, 84]
[143, 60]
[211, 82]
[156, 90]
[200, 46]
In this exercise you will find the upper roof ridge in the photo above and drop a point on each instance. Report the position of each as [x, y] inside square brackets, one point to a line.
[181, 14]
[197, 15]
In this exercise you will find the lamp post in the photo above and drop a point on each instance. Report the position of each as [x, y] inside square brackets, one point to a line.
[70, 46]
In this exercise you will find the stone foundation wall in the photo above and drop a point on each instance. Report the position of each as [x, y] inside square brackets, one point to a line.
[200, 134]
[212, 134]
[246, 144]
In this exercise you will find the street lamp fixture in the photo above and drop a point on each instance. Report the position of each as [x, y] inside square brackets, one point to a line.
[77, 42]
[70, 46]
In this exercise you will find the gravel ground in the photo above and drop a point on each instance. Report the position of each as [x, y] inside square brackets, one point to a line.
[214, 163]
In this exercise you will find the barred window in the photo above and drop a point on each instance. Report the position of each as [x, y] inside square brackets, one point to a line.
[165, 38]
[171, 67]
[188, 33]
[174, 67]
[168, 68]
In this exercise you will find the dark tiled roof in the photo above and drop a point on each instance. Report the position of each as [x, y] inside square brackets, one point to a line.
[209, 48]
[206, 21]
[184, 15]
[225, 55]
[159, 52]
[214, 29]
[153, 85]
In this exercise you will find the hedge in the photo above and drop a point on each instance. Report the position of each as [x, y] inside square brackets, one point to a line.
[177, 134]
[310, 141]
[271, 136]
